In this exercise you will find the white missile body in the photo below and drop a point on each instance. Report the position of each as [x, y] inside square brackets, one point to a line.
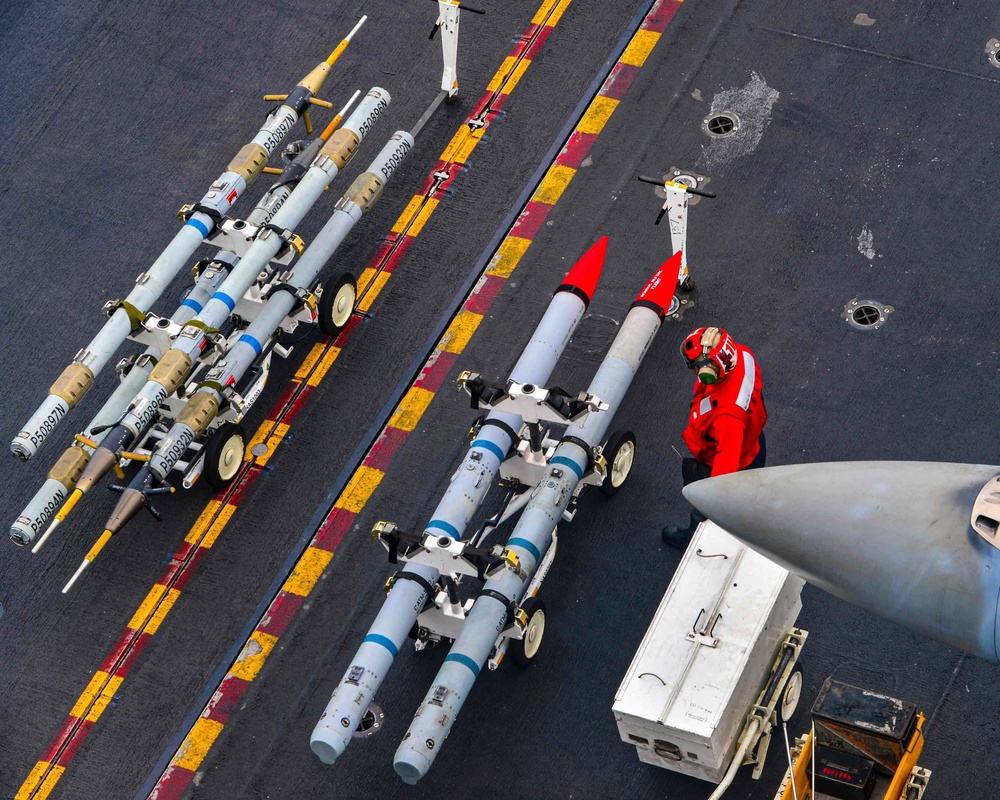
[414, 587]
[533, 534]
[201, 333]
[211, 394]
[63, 477]
[200, 220]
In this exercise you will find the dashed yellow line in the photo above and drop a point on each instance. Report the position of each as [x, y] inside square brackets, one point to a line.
[49, 783]
[88, 694]
[510, 72]
[507, 256]
[198, 742]
[307, 571]
[462, 144]
[554, 184]
[411, 408]
[310, 361]
[460, 331]
[106, 696]
[253, 655]
[543, 12]
[359, 489]
[597, 115]
[323, 367]
[640, 47]
[221, 521]
[371, 290]
[269, 434]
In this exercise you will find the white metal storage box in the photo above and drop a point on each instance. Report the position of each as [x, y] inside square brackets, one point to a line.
[706, 655]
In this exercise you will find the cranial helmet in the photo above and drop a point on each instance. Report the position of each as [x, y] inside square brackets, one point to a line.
[711, 352]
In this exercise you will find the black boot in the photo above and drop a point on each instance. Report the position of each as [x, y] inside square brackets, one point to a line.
[681, 537]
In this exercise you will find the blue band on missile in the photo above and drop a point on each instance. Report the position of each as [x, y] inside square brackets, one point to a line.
[441, 525]
[193, 304]
[201, 227]
[246, 337]
[376, 638]
[222, 297]
[485, 444]
[569, 463]
[525, 544]
[464, 661]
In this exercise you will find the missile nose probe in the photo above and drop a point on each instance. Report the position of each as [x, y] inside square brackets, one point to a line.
[199, 219]
[892, 537]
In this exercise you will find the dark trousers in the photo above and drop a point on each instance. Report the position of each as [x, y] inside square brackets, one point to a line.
[693, 470]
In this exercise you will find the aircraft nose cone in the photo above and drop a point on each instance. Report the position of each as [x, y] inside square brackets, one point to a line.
[892, 537]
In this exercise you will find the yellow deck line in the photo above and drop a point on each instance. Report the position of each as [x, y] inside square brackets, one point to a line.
[307, 571]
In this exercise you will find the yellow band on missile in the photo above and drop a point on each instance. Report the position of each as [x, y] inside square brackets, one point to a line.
[71, 501]
[98, 546]
[68, 469]
[337, 51]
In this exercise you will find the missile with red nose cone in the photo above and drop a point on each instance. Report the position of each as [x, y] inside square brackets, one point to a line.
[200, 219]
[533, 534]
[412, 588]
[912, 542]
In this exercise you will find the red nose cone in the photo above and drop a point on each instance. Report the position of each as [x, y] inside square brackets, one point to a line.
[660, 289]
[582, 279]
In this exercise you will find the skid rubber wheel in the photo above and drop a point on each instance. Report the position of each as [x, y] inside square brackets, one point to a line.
[224, 454]
[791, 694]
[336, 304]
[620, 455]
[523, 651]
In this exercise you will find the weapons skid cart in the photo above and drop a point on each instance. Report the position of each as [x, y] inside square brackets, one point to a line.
[718, 667]
[543, 411]
[862, 746]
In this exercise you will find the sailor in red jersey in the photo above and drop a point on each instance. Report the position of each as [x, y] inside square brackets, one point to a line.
[725, 431]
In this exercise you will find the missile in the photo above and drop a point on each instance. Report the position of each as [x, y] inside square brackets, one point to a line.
[67, 475]
[912, 542]
[213, 393]
[532, 536]
[68, 470]
[202, 331]
[412, 587]
[296, 167]
[200, 219]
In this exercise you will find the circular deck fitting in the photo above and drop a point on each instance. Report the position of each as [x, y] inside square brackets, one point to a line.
[371, 723]
[866, 315]
[258, 450]
[993, 52]
[722, 124]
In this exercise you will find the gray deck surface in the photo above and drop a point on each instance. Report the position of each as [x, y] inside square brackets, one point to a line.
[872, 176]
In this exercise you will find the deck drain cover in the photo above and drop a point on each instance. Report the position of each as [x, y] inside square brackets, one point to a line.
[678, 306]
[722, 124]
[866, 315]
[371, 723]
[993, 52]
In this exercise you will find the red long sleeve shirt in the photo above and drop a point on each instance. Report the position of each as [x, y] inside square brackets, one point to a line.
[727, 417]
